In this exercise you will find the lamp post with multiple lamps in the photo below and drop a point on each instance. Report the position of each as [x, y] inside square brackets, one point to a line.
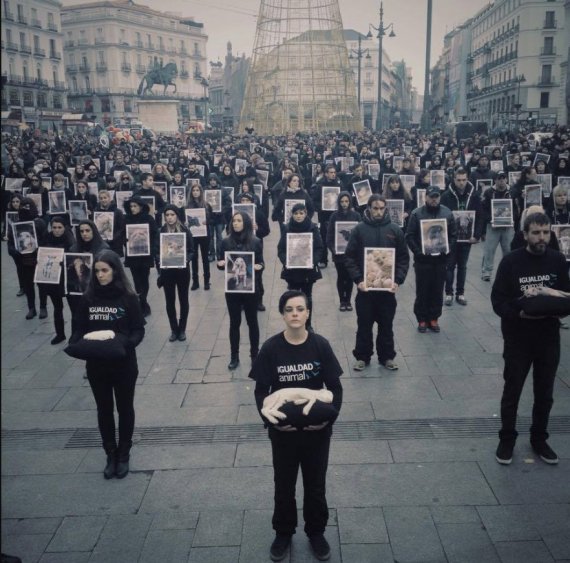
[381, 29]
[518, 105]
[358, 54]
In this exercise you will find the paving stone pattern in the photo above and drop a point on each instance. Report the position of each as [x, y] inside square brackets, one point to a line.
[433, 496]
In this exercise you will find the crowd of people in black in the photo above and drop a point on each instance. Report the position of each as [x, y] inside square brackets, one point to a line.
[377, 198]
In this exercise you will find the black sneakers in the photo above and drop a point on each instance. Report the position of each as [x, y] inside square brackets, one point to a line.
[279, 547]
[545, 452]
[320, 547]
[504, 454]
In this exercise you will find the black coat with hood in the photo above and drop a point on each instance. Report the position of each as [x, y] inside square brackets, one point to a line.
[118, 242]
[301, 275]
[142, 218]
[218, 218]
[316, 192]
[94, 246]
[380, 233]
[167, 273]
[469, 200]
[340, 215]
[26, 214]
[65, 241]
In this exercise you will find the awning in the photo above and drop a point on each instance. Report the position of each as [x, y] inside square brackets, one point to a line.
[74, 117]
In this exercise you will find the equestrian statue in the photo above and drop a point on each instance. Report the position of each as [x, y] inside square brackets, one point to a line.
[158, 75]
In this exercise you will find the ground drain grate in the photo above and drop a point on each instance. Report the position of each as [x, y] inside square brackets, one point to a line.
[350, 430]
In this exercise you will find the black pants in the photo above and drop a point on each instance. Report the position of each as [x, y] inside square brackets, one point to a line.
[107, 380]
[140, 279]
[28, 285]
[57, 300]
[307, 289]
[323, 226]
[202, 243]
[430, 279]
[457, 259]
[259, 289]
[343, 283]
[18, 263]
[542, 352]
[375, 307]
[310, 451]
[73, 303]
[247, 302]
[177, 279]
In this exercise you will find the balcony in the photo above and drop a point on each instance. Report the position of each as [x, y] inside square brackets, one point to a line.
[183, 51]
[39, 52]
[11, 46]
[25, 49]
[150, 45]
[548, 52]
[550, 24]
[8, 15]
[139, 45]
[126, 67]
[99, 40]
[84, 67]
[59, 85]
[55, 55]
[101, 66]
[83, 41]
[22, 19]
[71, 68]
[34, 82]
[13, 80]
[546, 82]
[184, 74]
[141, 69]
[69, 43]
[36, 23]
[52, 27]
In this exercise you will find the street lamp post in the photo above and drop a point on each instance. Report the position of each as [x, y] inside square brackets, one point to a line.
[518, 105]
[358, 54]
[381, 29]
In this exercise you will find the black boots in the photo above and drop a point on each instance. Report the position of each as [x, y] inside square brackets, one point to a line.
[57, 339]
[123, 460]
[195, 285]
[43, 313]
[111, 467]
[173, 336]
[31, 313]
[234, 362]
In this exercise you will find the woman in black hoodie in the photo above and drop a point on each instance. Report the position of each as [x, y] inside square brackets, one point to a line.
[242, 239]
[60, 236]
[109, 303]
[176, 278]
[302, 279]
[137, 213]
[344, 213]
[196, 201]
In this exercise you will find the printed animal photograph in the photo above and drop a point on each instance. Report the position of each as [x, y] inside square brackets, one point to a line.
[437, 178]
[464, 225]
[77, 268]
[151, 202]
[214, 198]
[258, 191]
[532, 195]
[138, 240]
[48, 268]
[342, 230]
[77, 211]
[562, 233]
[239, 272]
[329, 198]
[434, 237]
[121, 197]
[11, 217]
[420, 197]
[299, 250]
[178, 196]
[105, 221]
[483, 185]
[545, 180]
[25, 237]
[379, 268]
[196, 221]
[502, 213]
[172, 250]
[160, 187]
[395, 208]
[362, 192]
[57, 203]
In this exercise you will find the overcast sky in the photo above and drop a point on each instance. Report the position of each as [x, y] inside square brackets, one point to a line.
[234, 20]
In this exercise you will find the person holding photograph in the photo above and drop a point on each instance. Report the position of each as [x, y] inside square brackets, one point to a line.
[20, 248]
[375, 231]
[394, 189]
[14, 205]
[106, 204]
[494, 236]
[218, 222]
[461, 196]
[176, 279]
[293, 190]
[518, 239]
[197, 201]
[527, 177]
[60, 236]
[302, 279]
[297, 360]
[430, 268]
[344, 282]
[558, 206]
[147, 189]
[242, 239]
[526, 274]
[110, 304]
[82, 194]
[36, 187]
[137, 212]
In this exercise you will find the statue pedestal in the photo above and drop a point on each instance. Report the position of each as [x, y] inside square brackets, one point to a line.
[159, 115]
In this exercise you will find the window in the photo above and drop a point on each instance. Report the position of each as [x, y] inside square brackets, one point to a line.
[22, 39]
[160, 42]
[105, 104]
[548, 48]
[101, 56]
[20, 12]
[544, 99]
[39, 72]
[36, 42]
[25, 71]
[57, 103]
[127, 105]
[196, 49]
[54, 74]
[87, 83]
[28, 99]
[42, 100]
[51, 22]
[546, 76]
[9, 35]
[74, 83]
[549, 21]
[14, 97]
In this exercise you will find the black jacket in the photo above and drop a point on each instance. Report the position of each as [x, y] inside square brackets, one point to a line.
[279, 209]
[143, 218]
[349, 215]
[469, 200]
[383, 234]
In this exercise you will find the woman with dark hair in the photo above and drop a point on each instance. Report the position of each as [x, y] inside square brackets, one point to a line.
[422, 183]
[558, 206]
[561, 169]
[394, 189]
[110, 304]
[242, 239]
[27, 212]
[293, 190]
[290, 352]
[173, 279]
[59, 237]
[88, 238]
[196, 201]
[527, 177]
[82, 194]
[246, 187]
[301, 278]
[14, 206]
[137, 213]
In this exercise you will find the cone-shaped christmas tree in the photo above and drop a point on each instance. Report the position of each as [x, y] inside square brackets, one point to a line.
[300, 78]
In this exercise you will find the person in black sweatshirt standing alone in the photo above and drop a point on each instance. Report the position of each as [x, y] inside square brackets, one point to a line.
[535, 270]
